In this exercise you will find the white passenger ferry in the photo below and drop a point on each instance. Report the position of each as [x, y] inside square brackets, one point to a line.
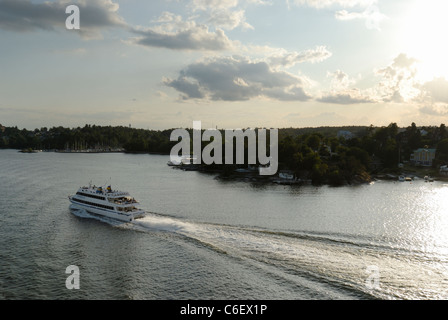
[108, 203]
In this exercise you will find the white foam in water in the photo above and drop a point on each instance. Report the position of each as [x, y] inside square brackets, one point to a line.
[219, 236]
[160, 223]
[339, 262]
[228, 238]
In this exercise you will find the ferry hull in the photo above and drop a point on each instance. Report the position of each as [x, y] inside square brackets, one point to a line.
[126, 217]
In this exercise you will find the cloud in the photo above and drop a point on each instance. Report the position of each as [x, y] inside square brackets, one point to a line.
[173, 32]
[288, 59]
[237, 78]
[226, 14]
[340, 80]
[320, 4]
[438, 110]
[292, 93]
[223, 4]
[190, 89]
[25, 16]
[371, 15]
[433, 98]
[342, 92]
[351, 96]
[403, 61]
[398, 82]
[196, 38]
[228, 19]
[345, 15]
[436, 89]
[207, 4]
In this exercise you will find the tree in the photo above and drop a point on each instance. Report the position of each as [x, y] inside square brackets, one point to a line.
[313, 141]
[414, 137]
[442, 151]
[442, 132]
[319, 172]
[360, 155]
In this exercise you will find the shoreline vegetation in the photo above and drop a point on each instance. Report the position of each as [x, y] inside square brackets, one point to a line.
[346, 155]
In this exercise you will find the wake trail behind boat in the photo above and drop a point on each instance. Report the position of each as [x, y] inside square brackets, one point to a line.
[158, 222]
[332, 262]
[301, 259]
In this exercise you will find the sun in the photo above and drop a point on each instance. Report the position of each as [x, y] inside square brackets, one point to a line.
[423, 36]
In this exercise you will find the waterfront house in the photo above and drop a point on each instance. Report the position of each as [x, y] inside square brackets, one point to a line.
[423, 157]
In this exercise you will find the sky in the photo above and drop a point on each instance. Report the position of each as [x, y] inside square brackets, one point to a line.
[229, 64]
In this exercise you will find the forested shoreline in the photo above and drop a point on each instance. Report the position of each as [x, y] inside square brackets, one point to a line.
[322, 154]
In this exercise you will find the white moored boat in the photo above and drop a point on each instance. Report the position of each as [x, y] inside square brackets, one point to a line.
[108, 203]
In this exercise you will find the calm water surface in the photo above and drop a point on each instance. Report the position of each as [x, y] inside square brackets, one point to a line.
[209, 239]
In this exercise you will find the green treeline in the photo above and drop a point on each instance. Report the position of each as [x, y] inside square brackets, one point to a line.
[88, 137]
[320, 154]
[329, 159]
